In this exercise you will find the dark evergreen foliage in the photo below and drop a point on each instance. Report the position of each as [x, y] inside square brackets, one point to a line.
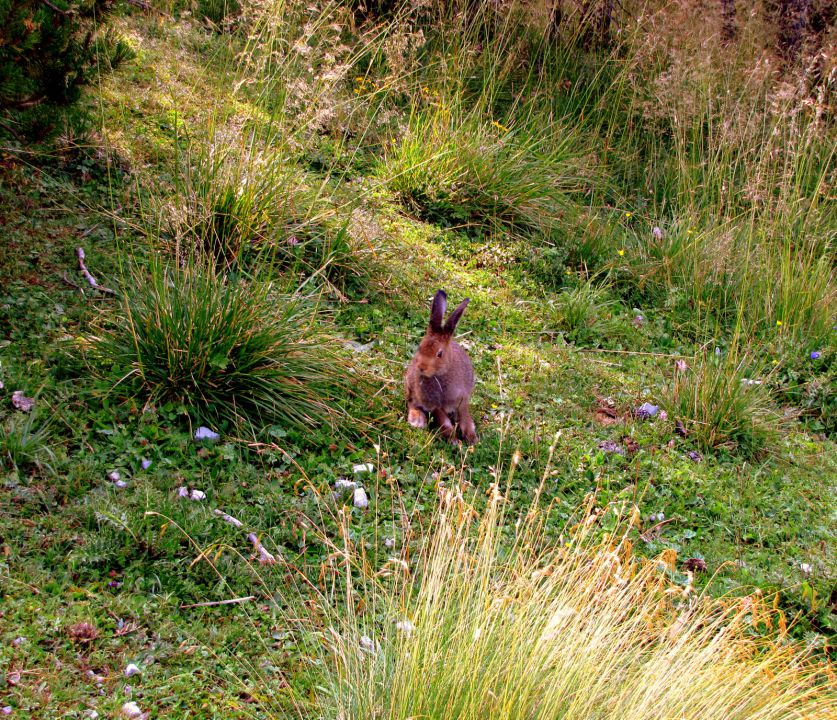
[47, 51]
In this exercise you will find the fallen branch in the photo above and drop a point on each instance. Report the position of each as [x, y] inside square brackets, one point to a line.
[231, 601]
[265, 558]
[88, 276]
[147, 7]
[71, 283]
[229, 518]
[650, 534]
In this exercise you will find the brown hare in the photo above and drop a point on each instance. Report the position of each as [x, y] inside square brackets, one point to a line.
[440, 379]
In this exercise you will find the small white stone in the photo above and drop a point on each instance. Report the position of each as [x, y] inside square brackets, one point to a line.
[21, 402]
[343, 484]
[131, 710]
[204, 433]
[367, 644]
[197, 495]
[131, 669]
[121, 484]
[806, 568]
[360, 500]
[363, 468]
[183, 491]
[92, 714]
[114, 476]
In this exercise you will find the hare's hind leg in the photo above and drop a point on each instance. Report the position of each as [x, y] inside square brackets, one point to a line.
[445, 425]
[466, 424]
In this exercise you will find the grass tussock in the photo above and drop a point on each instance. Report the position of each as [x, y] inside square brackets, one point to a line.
[26, 442]
[231, 349]
[723, 401]
[242, 208]
[483, 177]
[491, 622]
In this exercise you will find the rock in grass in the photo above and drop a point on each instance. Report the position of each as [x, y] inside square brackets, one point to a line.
[132, 711]
[609, 446]
[21, 402]
[131, 670]
[363, 468]
[367, 644]
[344, 484]
[360, 499]
[647, 411]
[205, 434]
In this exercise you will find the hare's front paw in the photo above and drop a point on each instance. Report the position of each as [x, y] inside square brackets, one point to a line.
[416, 417]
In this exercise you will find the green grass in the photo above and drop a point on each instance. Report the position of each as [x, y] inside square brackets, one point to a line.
[723, 401]
[539, 621]
[231, 349]
[522, 174]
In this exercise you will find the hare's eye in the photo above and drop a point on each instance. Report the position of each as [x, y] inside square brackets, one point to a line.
[439, 354]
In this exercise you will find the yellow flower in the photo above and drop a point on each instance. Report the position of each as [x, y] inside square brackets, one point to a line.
[627, 214]
[621, 252]
[499, 126]
[778, 323]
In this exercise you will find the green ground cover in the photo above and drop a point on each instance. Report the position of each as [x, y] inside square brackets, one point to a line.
[348, 171]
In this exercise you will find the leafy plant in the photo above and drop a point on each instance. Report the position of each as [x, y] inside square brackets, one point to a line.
[232, 349]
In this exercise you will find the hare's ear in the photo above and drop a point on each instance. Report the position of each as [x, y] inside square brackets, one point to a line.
[437, 311]
[450, 325]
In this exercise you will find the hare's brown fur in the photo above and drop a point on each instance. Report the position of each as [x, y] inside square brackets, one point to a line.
[440, 379]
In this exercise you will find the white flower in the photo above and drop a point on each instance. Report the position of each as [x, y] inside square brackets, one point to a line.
[405, 626]
[806, 568]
